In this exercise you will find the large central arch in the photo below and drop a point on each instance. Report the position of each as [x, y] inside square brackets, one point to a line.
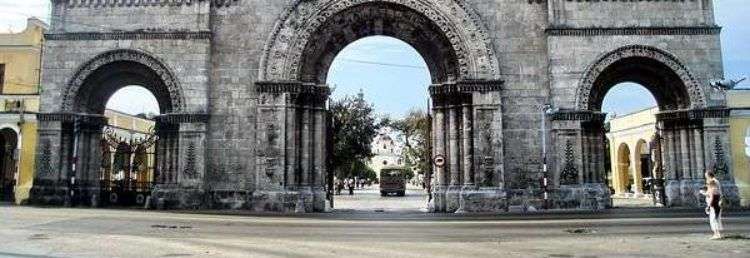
[283, 56]
[293, 93]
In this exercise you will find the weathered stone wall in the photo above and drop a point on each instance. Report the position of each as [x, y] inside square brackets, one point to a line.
[240, 34]
[616, 13]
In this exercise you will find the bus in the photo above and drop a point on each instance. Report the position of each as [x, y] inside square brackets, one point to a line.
[393, 181]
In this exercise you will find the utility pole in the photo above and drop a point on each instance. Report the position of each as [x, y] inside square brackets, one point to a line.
[546, 109]
[74, 161]
[428, 154]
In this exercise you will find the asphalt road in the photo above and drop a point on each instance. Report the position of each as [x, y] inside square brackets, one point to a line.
[58, 232]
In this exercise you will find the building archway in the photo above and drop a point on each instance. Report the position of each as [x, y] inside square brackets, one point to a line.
[293, 92]
[71, 156]
[8, 164]
[642, 168]
[624, 174]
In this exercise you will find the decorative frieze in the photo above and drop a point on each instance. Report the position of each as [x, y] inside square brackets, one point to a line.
[577, 115]
[569, 173]
[182, 118]
[131, 35]
[634, 31]
[292, 87]
[141, 3]
[73, 117]
[467, 86]
[44, 162]
[693, 114]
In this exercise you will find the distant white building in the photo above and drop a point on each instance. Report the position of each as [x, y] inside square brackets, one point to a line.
[387, 151]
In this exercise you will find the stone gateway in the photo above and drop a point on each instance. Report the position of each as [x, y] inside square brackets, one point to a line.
[242, 89]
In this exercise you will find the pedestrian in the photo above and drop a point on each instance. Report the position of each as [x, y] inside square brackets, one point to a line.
[713, 203]
[337, 185]
[350, 184]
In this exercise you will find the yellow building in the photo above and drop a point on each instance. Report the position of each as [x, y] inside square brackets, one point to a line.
[629, 138]
[630, 135]
[739, 133]
[20, 58]
[122, 160]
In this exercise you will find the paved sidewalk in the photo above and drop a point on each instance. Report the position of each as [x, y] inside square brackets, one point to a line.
[369, 200]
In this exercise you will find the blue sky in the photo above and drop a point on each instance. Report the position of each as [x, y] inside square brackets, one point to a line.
[394, 77]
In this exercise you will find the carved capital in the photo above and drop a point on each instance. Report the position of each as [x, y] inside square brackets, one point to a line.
[179, 118]
[466, 86]
[693, 114]
[578, 115]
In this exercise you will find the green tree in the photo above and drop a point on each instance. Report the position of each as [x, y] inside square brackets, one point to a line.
[354, 127]
[414, 129]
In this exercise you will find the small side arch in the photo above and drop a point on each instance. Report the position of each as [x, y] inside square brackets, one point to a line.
[660, 72]
[96, 80]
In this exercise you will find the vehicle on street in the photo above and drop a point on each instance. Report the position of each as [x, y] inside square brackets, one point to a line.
[393, 181]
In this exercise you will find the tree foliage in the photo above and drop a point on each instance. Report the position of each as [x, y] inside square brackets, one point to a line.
[415, 129]
[354, 127]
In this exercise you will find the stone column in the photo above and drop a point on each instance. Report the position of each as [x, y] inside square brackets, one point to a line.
[468, 133]
[698, 152]
[453, 145]
[467, 138]
[439, 149]
[88, 172]
[292, 139]
[685, 154]
[306, 147]
[292, 144]
[319, 155]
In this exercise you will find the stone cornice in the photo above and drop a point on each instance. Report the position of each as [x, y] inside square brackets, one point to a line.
[291, 87]
[130, 35]
[693, 114]
[179, 118]
[629, 31]
[466, 86]
[577, 115]
[137, 3]
[73, 117]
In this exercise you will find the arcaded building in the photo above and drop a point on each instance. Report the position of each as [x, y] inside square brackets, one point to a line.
[517, 88]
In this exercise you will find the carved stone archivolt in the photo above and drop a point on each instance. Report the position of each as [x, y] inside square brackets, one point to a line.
[170, 83]
[695, 92]
[298, 25]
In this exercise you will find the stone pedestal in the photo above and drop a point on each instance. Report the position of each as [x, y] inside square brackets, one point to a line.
[686, 193]
[485, 199]
[592, 196]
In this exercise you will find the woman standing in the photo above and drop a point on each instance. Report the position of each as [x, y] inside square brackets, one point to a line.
[713, 199]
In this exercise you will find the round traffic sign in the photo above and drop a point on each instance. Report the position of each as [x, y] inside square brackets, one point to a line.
[439, 160]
